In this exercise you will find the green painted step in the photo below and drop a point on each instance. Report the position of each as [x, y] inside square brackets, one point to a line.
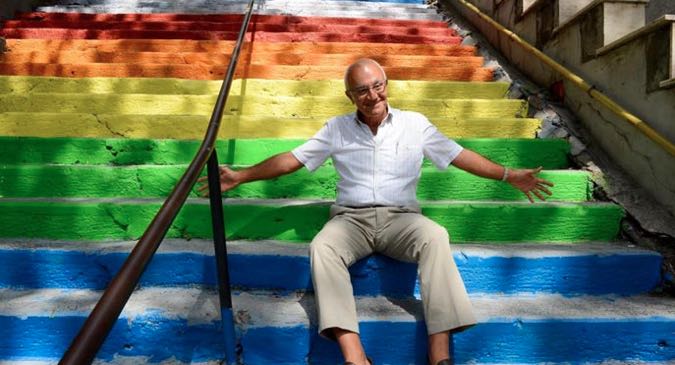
[549, 153]
[252, 87]
[299, 221]
[159, 180]
[279, 106]
[233, 126]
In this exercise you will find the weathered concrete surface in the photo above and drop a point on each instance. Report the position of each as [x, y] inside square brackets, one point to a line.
[659, 8]
[301, 220]
[9, 7]
[548, 153]
[641, 158]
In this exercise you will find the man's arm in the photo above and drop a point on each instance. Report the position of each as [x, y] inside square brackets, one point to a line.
[524, 180]
[277, 165]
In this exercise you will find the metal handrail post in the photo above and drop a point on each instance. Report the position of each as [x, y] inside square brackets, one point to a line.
[220, 249]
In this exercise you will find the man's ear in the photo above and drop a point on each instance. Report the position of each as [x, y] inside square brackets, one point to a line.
[349, 96]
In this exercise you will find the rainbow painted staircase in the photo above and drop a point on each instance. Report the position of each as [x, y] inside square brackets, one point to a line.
[101, 106]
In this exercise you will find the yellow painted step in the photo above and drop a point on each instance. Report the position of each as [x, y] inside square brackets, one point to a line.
[193, 126]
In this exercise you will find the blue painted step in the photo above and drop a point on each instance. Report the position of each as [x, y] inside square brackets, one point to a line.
[583, 269]
[183, 324]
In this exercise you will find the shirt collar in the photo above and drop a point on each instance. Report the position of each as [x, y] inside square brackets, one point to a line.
[388, 119]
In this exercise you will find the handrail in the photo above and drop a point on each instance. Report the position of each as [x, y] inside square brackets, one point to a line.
[93, 333]
[605, 100]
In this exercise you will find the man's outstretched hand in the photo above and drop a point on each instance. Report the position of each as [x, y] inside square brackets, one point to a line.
[229, 179]
[526, 180]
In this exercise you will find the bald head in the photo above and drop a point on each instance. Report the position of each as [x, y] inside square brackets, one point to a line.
[361, 67]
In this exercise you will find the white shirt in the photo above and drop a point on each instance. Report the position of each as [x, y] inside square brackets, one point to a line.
[383, 169]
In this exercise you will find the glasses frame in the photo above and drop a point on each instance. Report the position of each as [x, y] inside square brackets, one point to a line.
[362, 91]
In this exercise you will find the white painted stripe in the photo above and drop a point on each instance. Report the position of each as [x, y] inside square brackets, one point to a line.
[284, 248]
[265, 309]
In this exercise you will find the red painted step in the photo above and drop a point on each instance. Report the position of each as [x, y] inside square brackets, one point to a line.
[59, 33]
[227, 18]
[226, 27]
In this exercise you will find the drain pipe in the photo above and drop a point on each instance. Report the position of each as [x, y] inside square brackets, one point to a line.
[638, 123]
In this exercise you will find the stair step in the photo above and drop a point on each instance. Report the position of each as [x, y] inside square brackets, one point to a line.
[183, 324]
[181, 45]
[408, 14]
[201, 58]
[217, 72]
[212, 27]
[159, 181]
[260, 36]
[269, 107]
[300, 220]
[549, 153]
[193, 126]
[570, 270]
[251, 87]
[221, 18]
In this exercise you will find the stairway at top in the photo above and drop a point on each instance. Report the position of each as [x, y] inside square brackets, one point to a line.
[90, 151]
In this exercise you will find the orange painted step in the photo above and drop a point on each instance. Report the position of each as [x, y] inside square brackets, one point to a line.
[225, 18]
[64, 33]
[206, 72]
[168, 26]
[262, 58]
[180, 45]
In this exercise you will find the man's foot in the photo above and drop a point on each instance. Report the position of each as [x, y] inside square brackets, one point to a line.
[445, 362]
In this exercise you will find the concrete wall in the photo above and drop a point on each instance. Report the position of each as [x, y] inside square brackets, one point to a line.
[621, 75]
[8, 7]
[658, 8]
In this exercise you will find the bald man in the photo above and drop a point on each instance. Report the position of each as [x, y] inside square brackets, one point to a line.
[378, 151]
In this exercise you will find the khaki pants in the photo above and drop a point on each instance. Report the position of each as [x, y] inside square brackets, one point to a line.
[400, 233]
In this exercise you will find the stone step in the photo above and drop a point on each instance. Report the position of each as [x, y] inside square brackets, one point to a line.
[274, 329]
[549, 153]
[27, 181]
[222, 18]
[235, 26]
[202, 58]
[261, 36]
[184, 45]
[269, 107]
[389, 13]
[206, 72]
[193, 126]
[252, 87]
[300, 220]
[570, 270]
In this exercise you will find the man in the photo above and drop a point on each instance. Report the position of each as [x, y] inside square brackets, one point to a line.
[378, 152]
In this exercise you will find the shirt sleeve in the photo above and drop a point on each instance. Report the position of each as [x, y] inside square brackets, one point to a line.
[438, 148]
[316, 150]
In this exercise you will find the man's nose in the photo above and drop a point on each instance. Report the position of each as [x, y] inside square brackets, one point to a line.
[372, 94]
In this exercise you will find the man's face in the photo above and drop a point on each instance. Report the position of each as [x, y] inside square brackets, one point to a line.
[368, 91]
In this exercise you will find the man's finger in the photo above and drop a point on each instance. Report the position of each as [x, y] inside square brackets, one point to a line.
[544, 189]
[545, 182]
[527, 193]
[202, 179]
[538, 194]
[536, 171]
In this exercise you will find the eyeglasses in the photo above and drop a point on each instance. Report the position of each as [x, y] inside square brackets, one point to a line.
[377, 86]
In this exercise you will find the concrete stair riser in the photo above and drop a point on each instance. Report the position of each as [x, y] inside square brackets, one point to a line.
[299, 221]
[282, 330]
[549, 153]
[181, 45]
[584, 269]
[222, 18]
[158, 181]
[252, 87]
[205, 72]
[192, 126]
[201, 58]
[277, 107]
[212, 27]
[261, 36]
